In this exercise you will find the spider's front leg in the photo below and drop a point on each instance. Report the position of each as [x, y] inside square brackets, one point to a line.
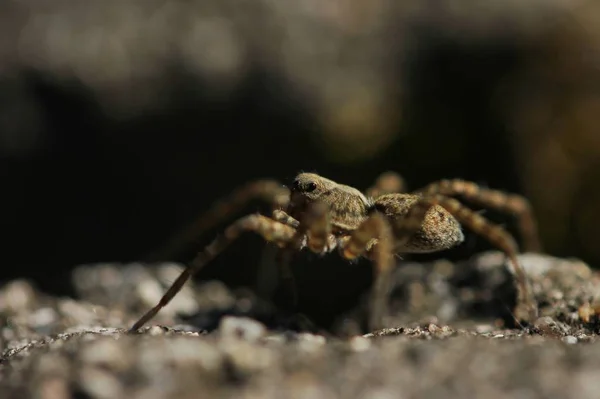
[282, 217]
[313, 231]
[504, 202]
[270, 191]
[405, 228]
[387, 183]
[269, 229]
[374, 238]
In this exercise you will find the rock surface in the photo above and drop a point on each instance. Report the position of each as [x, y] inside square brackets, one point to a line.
[446, 338]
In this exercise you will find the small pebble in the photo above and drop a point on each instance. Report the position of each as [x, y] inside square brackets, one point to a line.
[277, 339]
[156, 330]
[547, 325]
[18, 296]
[100, 383]
[569, 339]
[310, 343]
[242, 327]
[484, 328]
[53, 388]
[105, 352]
[247, 357]
[360, 344]
[191, 353]
[307, 337]
[150, 291]
[585, 312]
[42, 317]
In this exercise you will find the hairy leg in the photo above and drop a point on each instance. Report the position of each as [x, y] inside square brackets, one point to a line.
[269, 191]
[269, 229]
[526, 306]
[283, 217]
[374, 238]
[505, 202]
[387, 183]
[313, 231]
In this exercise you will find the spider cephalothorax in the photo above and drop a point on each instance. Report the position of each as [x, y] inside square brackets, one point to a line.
[319, 214]
[348, 208]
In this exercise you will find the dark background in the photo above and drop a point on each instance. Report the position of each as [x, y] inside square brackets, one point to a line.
[120, 123]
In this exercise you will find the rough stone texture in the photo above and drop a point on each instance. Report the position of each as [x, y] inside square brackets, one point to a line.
[445, 339]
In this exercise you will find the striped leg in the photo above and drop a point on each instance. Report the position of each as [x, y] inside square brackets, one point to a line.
[269, 229]
[269, 191]
[526, 306]
[387, 183]
[374, 239]
[510, 203]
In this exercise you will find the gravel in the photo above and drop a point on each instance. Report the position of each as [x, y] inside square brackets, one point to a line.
[448, 337]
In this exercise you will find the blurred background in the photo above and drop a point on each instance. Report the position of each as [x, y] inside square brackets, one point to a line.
[120, 122]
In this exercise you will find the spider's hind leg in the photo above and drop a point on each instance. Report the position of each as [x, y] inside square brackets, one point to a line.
[386, 183]
[405, 228]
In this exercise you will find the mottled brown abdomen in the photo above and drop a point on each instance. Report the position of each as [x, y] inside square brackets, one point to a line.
[438, 231]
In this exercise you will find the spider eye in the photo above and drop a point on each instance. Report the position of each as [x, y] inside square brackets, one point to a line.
[311, 187]
[303, 187]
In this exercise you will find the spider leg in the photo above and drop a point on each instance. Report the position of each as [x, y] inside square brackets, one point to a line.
[505, 202]
[374, 238]
[269, 229]
[269, 191]
[283, 256]
[317, 224]
[313, 231]
[284, 259]
[284, 218]
[387, 183]
[406, 227]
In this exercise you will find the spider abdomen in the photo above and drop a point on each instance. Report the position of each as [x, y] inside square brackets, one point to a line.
[438, 231]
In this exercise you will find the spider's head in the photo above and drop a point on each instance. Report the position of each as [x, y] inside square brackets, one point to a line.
[347, 206]
[310, 187]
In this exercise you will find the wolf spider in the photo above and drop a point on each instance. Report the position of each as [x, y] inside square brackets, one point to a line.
[322, 215]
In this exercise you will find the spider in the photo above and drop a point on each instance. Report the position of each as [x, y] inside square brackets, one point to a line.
[321, 215]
